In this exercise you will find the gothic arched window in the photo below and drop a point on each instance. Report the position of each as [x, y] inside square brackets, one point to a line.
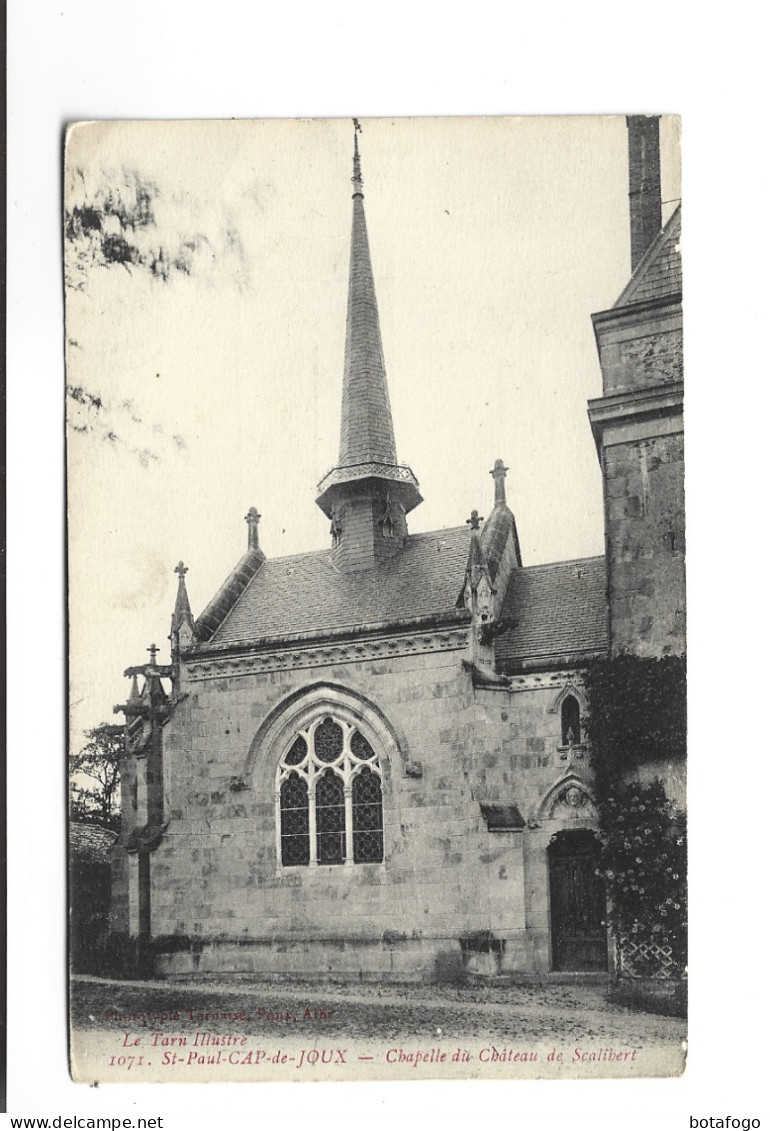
[570, 721]
[329, 795]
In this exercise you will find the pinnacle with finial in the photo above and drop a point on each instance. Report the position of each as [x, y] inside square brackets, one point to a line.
[252, 518]
[153, 650]
[475, 520]
[182, 611]
[498, 473]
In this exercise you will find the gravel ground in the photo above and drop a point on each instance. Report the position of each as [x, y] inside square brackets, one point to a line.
[559, 1013]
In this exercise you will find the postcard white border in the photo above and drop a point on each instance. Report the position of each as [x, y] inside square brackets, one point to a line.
[79, 60]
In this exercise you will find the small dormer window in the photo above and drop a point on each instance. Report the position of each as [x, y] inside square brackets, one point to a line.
[570, 722]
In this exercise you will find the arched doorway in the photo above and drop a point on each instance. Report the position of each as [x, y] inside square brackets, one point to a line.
[578, 902]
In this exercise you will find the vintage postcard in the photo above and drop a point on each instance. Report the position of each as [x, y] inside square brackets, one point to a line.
[377, 599]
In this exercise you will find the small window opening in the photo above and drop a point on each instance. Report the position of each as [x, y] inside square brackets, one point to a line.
[570, 722]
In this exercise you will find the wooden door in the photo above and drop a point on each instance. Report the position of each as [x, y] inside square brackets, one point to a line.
[578, 903]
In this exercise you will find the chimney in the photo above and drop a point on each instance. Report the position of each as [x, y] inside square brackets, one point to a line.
[643, 182]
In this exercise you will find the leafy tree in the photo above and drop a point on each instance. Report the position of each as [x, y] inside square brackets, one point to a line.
[114, 227]
[119, 220]
[95, 777]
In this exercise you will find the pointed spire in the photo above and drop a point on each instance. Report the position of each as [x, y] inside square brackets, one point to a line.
[368, 471]
[478, 590]
[182, 623]
[366, 434]
[477, 560]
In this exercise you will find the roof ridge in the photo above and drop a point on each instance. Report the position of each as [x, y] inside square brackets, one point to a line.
[566, 562]
[441, 530]
[325, 550]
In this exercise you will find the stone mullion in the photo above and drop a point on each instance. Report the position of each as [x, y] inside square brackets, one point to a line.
[348, 816]
[278, 822]
[347, 770]
[311, 814]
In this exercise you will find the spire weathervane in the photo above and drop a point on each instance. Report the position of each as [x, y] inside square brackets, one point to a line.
[357, 179]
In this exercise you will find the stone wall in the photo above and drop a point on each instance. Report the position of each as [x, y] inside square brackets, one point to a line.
[644, 500]
[640, 349]
[216, 873]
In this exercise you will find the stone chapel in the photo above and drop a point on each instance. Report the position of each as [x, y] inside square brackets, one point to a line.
[370, 761]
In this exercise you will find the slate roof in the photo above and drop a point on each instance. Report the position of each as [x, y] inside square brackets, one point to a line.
[500, 525]
[367, 425]
[557, 610]
[304, 594]
[659, 271]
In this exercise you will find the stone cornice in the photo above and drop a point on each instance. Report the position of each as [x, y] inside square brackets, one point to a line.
[546, 680]
[649, 403]
[308, 652]
[395, 627]
[634, 310]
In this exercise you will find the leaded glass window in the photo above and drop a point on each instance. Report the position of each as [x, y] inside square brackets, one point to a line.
[327, 741]
[330, 818]
[367, 817]
[295, 825]
[329, 797]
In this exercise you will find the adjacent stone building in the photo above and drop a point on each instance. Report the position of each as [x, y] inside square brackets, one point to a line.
[370, 761]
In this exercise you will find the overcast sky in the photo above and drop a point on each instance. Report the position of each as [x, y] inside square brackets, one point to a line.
[493, 240]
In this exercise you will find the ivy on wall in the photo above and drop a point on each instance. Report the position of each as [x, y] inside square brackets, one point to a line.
[639, 715]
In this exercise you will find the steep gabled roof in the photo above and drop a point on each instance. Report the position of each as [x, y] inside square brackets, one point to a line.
[499, 527]
[659, 273]
[556, 611]
[305, 595]
[228, 594]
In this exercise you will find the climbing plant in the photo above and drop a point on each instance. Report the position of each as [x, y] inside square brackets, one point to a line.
[644, 860]
[639, 716]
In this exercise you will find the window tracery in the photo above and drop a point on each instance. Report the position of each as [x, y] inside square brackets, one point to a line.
[329, 797]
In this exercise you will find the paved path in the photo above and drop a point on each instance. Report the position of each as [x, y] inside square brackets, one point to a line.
[564, 1014]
